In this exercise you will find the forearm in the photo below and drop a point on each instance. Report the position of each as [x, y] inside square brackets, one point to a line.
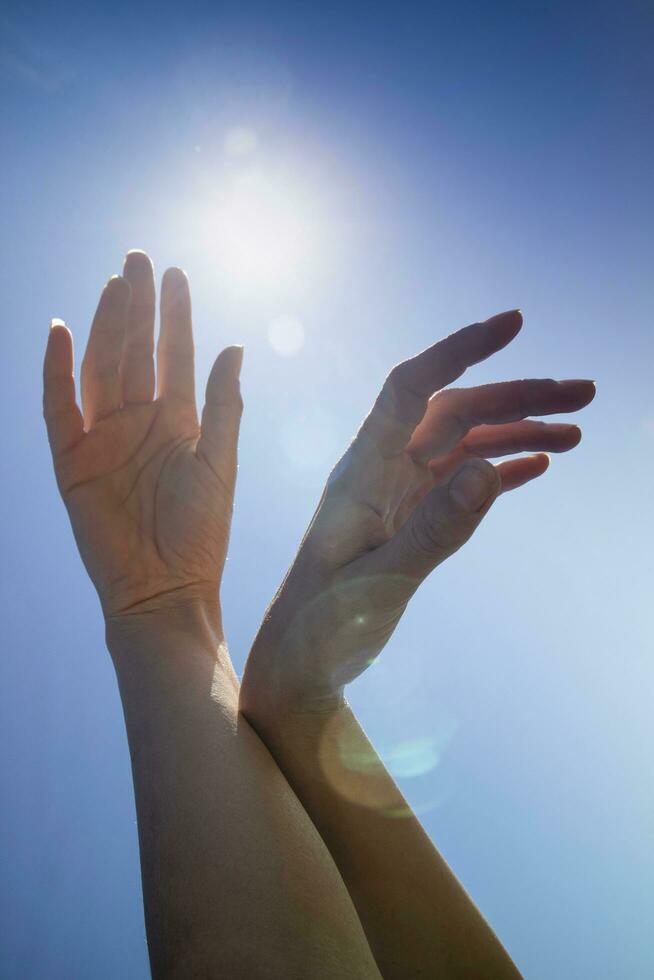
[417, 918]
[236, 881]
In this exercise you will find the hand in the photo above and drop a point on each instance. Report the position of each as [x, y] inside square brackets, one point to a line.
[149, 491]
[410, 490]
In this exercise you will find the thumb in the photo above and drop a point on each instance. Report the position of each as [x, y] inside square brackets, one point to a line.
[221, 416]
[443, 521]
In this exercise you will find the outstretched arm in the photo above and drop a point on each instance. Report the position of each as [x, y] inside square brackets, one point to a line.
[236, 880]
[409, 492]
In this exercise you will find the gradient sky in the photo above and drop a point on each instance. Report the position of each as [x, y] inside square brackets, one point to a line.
[435, 163]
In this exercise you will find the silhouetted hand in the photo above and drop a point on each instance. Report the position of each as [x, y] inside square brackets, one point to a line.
[148, 489]
[410, 490]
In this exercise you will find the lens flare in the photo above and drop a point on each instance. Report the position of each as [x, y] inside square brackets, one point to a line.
[286, 335]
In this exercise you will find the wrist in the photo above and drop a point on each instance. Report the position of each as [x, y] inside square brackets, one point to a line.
[166, 623]
[274, 687]
[176, 654]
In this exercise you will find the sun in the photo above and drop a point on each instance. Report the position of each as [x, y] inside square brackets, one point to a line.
[260, 229]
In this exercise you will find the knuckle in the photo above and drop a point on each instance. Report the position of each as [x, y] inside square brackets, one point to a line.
[433, 533]
[230, 401]
[425, 536]
[451, 360]
[395, 376]
[400, 379]
[136, 347]
[400, 398]
[445, 398]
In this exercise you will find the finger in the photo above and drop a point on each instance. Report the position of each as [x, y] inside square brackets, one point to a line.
[403, 399]
[443, 520]
[486, 441]
[175, 353]
[221, 416]
[452, 413]
[62, 416]
[529, 435]
[137, 365]
[101, 388]
[516, 472]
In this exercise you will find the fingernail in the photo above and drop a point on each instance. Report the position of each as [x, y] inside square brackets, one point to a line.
[56, 322]
[137, 262]
[472, 486]
[499, 316]
[237, 358]
[582, 386]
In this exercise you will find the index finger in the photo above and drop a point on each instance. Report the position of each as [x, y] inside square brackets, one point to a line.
[403, 400]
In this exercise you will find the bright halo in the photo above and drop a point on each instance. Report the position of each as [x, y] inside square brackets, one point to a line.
[260, 230]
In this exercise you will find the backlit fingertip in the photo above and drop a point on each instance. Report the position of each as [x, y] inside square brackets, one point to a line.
[517, 313]
[137, 261]
[175, 272]
[505, 325]
[117, 290]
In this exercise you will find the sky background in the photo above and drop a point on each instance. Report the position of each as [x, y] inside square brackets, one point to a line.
[418, 166]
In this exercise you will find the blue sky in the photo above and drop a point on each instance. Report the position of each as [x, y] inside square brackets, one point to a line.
[436, 163]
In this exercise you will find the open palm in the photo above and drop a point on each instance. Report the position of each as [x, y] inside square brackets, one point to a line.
[148, 489]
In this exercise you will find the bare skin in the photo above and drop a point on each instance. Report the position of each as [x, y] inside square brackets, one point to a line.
[236, 880]
[149, 492]
[411, 489]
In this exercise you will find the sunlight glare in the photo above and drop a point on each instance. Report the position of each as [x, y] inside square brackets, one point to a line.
[240, 140]
[260, 229]
[286, 335]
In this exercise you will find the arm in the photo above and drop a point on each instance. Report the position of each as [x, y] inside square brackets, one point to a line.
[236, 880]
[409, 492]
[418, 919]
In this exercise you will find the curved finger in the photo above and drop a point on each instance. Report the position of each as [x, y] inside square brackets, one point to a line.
[487, 441]
[452, 413]
[101, 387]
[404, 397]
[528, 435]
[221, 416]
[175, 352]
[439, 524]
[516, 472]
[62, 416]
[137, 364]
